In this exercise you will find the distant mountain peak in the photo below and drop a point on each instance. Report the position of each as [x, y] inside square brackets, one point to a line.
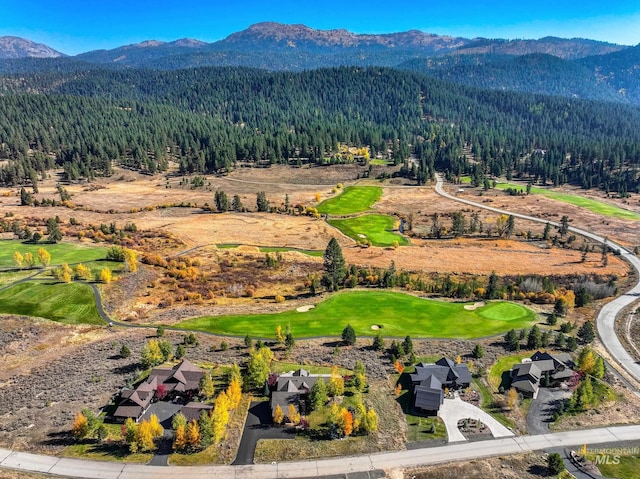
[149, 43]
[16, 47]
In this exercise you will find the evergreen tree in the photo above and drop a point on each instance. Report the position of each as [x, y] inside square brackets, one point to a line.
[587, 333]
[349, 335]
[262, 203]
[334, 266]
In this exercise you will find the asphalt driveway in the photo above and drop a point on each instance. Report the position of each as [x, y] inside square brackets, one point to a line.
[541, 409]
[258, 426]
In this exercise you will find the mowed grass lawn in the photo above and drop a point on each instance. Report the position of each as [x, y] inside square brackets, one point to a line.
[71, 303]
[596, 206]
[397, 314]
[60, 252]
[376, 228]
[354, 199]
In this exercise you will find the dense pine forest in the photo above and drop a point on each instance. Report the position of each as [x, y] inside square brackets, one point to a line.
[209, 119]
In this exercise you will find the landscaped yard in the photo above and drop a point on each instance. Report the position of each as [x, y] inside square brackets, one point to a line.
[112, 449]
[596, 206]
[501, 366]
[394, 314]
[376, 228]
[354, 199]
[421, 428]
[60, 252]
[71, 303]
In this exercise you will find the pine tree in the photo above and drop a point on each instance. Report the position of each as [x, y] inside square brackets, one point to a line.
[349, 335]
[334, 265]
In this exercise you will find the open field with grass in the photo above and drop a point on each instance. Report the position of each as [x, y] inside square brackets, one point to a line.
[376, 228]
[71, 303]
[590, 204]
[395, 314]
[354, 199]
[60, 252]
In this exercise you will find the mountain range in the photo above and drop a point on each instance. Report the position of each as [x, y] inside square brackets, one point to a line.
[564, 67]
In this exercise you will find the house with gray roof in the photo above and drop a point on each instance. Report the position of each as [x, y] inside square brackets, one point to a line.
[293, 388]
[429, 381]
[527, 376]
[183, 378]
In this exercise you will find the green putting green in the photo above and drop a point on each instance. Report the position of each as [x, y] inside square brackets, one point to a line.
[60, 252]
[370, 312]
[71, 303]
[354, 199]
[376, 228]
[596, 206]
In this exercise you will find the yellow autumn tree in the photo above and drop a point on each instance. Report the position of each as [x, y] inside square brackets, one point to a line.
[192, 434]
[130, 260]
[156, 429]
[372, 421]
[63, 273]
[84, 273]
[512, 398]
[293, 414]
[398, 389]
[44, 257]
[459, 359]
[143, 436]
[234, 393]
[18, 259]
[180, 440]
[80, 427]
[220, 416]
[336, 383]
[318, 197]
[105, 275]
[279, 335]
[207, 387]
[278, 415]
[29, 260]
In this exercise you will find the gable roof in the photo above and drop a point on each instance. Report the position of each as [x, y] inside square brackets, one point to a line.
[428, 394]
[526, 369]
[447, 372]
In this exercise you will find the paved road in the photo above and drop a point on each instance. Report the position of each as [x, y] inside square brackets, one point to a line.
[607, 315]
[326, 467]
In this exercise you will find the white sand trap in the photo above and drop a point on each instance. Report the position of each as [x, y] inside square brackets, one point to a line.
[375, 327]
[304, 309]
[360, 235]
[471, 307]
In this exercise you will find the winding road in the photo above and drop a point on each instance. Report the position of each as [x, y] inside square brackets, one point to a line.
[605, 321]
[381, 461]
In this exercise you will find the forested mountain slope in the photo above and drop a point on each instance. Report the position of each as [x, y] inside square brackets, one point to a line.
[210, 118]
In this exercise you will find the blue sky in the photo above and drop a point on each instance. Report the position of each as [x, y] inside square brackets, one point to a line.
[75, 26]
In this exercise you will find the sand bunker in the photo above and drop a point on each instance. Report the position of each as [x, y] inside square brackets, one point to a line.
[471, 307]
[304, 309]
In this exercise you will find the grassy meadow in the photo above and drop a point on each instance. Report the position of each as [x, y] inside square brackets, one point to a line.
[396, 314]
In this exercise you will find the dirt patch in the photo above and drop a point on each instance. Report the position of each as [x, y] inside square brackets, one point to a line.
[523, 466]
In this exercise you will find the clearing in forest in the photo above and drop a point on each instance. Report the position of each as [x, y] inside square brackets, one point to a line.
[370, 312]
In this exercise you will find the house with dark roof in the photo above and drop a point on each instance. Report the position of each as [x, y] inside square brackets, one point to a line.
[429, 381]
[527, 377]
[182, 379]
[293, 388]
[192, 410]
